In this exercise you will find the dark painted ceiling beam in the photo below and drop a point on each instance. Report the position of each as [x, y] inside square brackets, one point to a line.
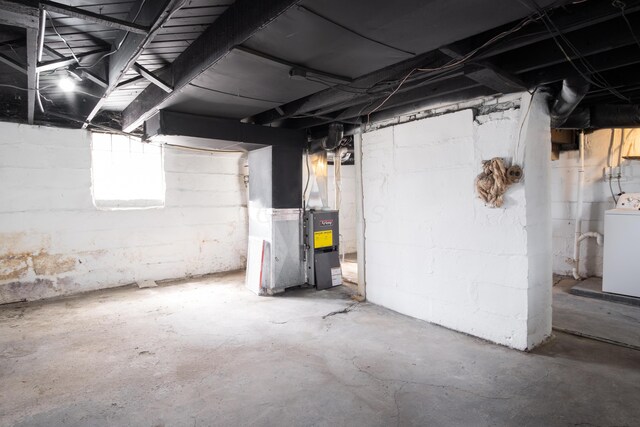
[130, 81]
[567, 20]
[616, 58]
[148, 75]
[237, 24]
[148, 13]
[574, 18]
[391, 111]
[310, 71]
[431, 92]
[84, 74]
[96, 18]
[7, 60]
[418, 104]
[487, 74]
[66, 61]
[95, 79]
[169, 123]
[415, 81]
[494, 78]
[334, 96]
[427, 92]
[13, 43]
[587, 42]
[23, 14]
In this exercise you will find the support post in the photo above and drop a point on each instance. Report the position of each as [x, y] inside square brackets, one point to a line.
[360, 221]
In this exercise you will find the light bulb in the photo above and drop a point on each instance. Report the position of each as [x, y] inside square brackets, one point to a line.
[67, 84]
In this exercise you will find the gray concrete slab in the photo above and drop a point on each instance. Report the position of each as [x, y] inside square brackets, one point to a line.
[592, 288]
[597, 318]
[208, 352]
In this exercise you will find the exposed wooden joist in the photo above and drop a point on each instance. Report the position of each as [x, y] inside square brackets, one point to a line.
[85, 74]
[426, 92]
[575, 18]
[130, 82]
[487, 74]
[66, 61]
[239, 22]
[96, 18]
[414, 82]
[13, 63]
[495, 79]
[153, 14]
[95, 79]
[615, 58]
[326, 100]
[152, 77]
[587, 42]
[582, 16]
[22, 14]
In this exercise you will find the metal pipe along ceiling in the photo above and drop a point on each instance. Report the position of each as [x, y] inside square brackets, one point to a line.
[572, 92]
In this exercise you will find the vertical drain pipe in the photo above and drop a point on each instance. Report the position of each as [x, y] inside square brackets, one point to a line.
[578, 224]
[579, 236]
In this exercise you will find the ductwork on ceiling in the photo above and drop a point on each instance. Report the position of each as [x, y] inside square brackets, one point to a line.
[565, 115]
[572, 92]
[604, 116]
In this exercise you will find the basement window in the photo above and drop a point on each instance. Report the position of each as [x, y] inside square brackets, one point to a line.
[126, 173]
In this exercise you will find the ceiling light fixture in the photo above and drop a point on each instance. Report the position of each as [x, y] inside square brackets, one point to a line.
[67, 84]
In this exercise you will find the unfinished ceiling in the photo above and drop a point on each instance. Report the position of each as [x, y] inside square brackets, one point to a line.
[303, 64]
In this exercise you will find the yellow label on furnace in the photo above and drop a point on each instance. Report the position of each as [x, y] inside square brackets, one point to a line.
[322, 239]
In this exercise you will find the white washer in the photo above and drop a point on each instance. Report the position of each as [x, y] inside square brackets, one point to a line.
[622, 234]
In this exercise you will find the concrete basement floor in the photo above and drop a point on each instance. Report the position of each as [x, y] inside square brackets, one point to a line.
[606, 320]
[207, 352]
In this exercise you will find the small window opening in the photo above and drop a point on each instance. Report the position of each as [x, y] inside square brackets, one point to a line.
[126, 173]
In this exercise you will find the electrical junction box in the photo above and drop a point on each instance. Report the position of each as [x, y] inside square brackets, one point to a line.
[321, 243]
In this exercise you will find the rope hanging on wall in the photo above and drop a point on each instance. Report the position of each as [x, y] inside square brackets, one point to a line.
[495, 179]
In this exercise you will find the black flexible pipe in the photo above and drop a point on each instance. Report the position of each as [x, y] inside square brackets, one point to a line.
[572, 92]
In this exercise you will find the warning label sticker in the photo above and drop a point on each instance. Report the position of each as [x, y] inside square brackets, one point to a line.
[336, 276]
[322, 239]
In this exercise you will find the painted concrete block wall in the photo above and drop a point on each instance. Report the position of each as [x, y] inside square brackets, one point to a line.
[348, 205]
[433, 250]
[601, 150]
[53, 241]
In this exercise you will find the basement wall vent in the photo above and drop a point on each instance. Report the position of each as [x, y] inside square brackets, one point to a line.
[126, 173]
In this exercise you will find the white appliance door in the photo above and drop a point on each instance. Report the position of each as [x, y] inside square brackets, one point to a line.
[621, 255]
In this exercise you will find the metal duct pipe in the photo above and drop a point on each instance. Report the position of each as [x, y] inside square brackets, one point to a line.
[572, 92]
[615, 116]
[604, 117]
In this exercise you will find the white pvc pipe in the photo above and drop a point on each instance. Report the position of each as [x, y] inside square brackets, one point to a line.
[593, 234]
[579, 236]
[578, 222]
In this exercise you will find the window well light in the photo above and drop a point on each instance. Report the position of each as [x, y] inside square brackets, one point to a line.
[67, 84]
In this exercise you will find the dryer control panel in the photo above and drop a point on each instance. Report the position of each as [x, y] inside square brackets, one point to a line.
[629, 201]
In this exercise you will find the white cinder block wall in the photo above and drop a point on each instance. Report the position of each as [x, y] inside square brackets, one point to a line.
[434, 251]
[601, 150]
[347, 205]
[53, 241]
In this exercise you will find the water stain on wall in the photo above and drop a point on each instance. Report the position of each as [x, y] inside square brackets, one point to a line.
[14, 266]
[45, 264]
[26, 290]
